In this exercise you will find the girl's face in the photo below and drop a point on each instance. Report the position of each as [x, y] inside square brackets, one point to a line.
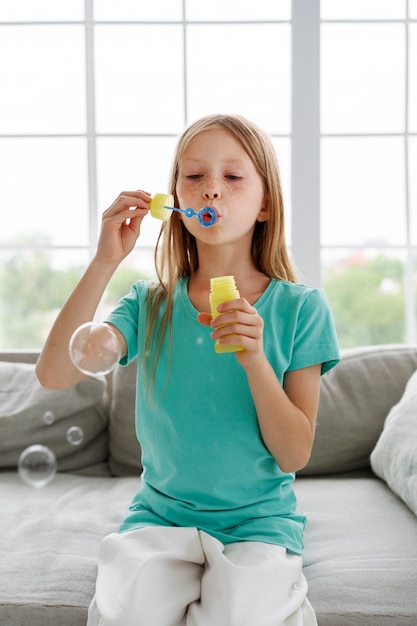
[216, 171]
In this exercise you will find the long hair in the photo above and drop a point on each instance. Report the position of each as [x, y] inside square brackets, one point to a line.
[176, 249]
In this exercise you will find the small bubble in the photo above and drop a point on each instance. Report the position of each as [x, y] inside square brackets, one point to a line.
[48, 418]
[75, 435]
[37, 465]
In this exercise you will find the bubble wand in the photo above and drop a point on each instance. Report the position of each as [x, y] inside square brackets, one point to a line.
[162, 205]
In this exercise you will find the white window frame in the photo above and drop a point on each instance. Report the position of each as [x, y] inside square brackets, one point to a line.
[305, 139]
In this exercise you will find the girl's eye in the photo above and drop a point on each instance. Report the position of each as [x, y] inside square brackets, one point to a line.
[233, 177]
[194, 176]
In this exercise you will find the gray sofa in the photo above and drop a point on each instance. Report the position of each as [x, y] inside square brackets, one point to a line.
[359, 490]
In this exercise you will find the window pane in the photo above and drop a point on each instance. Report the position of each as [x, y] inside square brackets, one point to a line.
[134, 163]
[412, 168]
[362, 191]
[138, 265]
[44, 188]
[412, 108]
[139, 79]
[233, 10]
[41, 10]
[362, 78]
[233, 76]
[362, 9]
[365, 289]
[42, 78]
[156, 10]
[412, 9]
[34, 285]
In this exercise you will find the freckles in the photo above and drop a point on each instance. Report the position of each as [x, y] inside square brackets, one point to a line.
[185, 190]
[230, 190]
[190, 188]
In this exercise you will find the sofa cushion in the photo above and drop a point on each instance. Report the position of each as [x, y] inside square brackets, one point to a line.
[49, 544]
[31, 414]
[394, 458]
[360, 551]
[355, 398]
[124, 449]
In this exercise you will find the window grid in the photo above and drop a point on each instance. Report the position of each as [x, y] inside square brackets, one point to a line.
[305, 135]
[91, 135]
[408, 247]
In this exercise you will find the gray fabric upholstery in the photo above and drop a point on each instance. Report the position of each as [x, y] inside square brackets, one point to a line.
[49, 541]
[355, 399]
[347, 426]
[124, 449]
[360, 540]
[360, 551]
[24, 405]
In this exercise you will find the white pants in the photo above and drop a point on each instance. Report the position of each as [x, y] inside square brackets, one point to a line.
[163, 576]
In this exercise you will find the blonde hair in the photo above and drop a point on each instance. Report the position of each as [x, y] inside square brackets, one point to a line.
[176, 250]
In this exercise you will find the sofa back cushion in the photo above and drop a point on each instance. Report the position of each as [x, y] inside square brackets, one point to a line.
[124, 448]
[355, 398]
[31, 414]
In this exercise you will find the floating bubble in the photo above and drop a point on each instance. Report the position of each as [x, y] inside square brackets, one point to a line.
[75, 435]
[48, 418]
[94, 349]
[37, 465]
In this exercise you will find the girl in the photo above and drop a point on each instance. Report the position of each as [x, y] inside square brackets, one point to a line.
[213, 537]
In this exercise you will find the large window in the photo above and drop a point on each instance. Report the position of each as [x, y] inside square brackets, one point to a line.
[95, 93]
[369, 167]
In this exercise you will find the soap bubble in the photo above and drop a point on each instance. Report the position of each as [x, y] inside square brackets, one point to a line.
[94, 349]
[48, 418]
[37, 465]
[75, 435]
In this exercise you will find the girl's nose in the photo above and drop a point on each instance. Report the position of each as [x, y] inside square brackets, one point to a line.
[211, 195]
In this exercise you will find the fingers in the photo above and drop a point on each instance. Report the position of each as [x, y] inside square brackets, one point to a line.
[129, 204]
[240, 319]
[120, 225]
[204, 318]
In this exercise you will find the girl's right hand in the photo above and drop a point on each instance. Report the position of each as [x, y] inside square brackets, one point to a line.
[120, 226]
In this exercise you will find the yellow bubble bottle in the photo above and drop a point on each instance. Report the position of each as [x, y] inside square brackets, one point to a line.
[223, 289]
[158, 206]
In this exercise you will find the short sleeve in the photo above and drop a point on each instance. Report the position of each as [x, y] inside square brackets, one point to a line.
[126, 318]
[315, 338]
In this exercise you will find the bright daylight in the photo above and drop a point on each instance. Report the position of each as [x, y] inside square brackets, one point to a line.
[208, 312]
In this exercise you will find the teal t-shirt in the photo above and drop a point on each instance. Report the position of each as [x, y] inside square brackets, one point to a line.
[205, 463]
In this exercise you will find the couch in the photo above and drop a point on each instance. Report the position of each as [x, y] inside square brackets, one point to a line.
[359, 490]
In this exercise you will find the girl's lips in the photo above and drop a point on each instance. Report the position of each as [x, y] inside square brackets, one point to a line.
[209, 215]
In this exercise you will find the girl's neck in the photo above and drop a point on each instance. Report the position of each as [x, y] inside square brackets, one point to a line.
[224, 261]
[250, 282]
[234, 260]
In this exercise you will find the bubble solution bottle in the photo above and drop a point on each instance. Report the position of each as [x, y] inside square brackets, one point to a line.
[223, 289]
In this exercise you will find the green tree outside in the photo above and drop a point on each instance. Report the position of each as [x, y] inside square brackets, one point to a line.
[367, 299]
[366, 296]
[32, 293]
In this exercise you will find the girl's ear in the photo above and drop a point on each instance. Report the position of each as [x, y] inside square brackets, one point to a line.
[263, 214]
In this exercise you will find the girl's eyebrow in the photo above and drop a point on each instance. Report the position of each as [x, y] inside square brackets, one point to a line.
[230, 161]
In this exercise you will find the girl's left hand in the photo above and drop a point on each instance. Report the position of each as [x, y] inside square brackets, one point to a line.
[238, 323]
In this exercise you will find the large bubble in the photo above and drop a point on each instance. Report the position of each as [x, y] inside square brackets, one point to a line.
[94, 349]
[37, 465]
